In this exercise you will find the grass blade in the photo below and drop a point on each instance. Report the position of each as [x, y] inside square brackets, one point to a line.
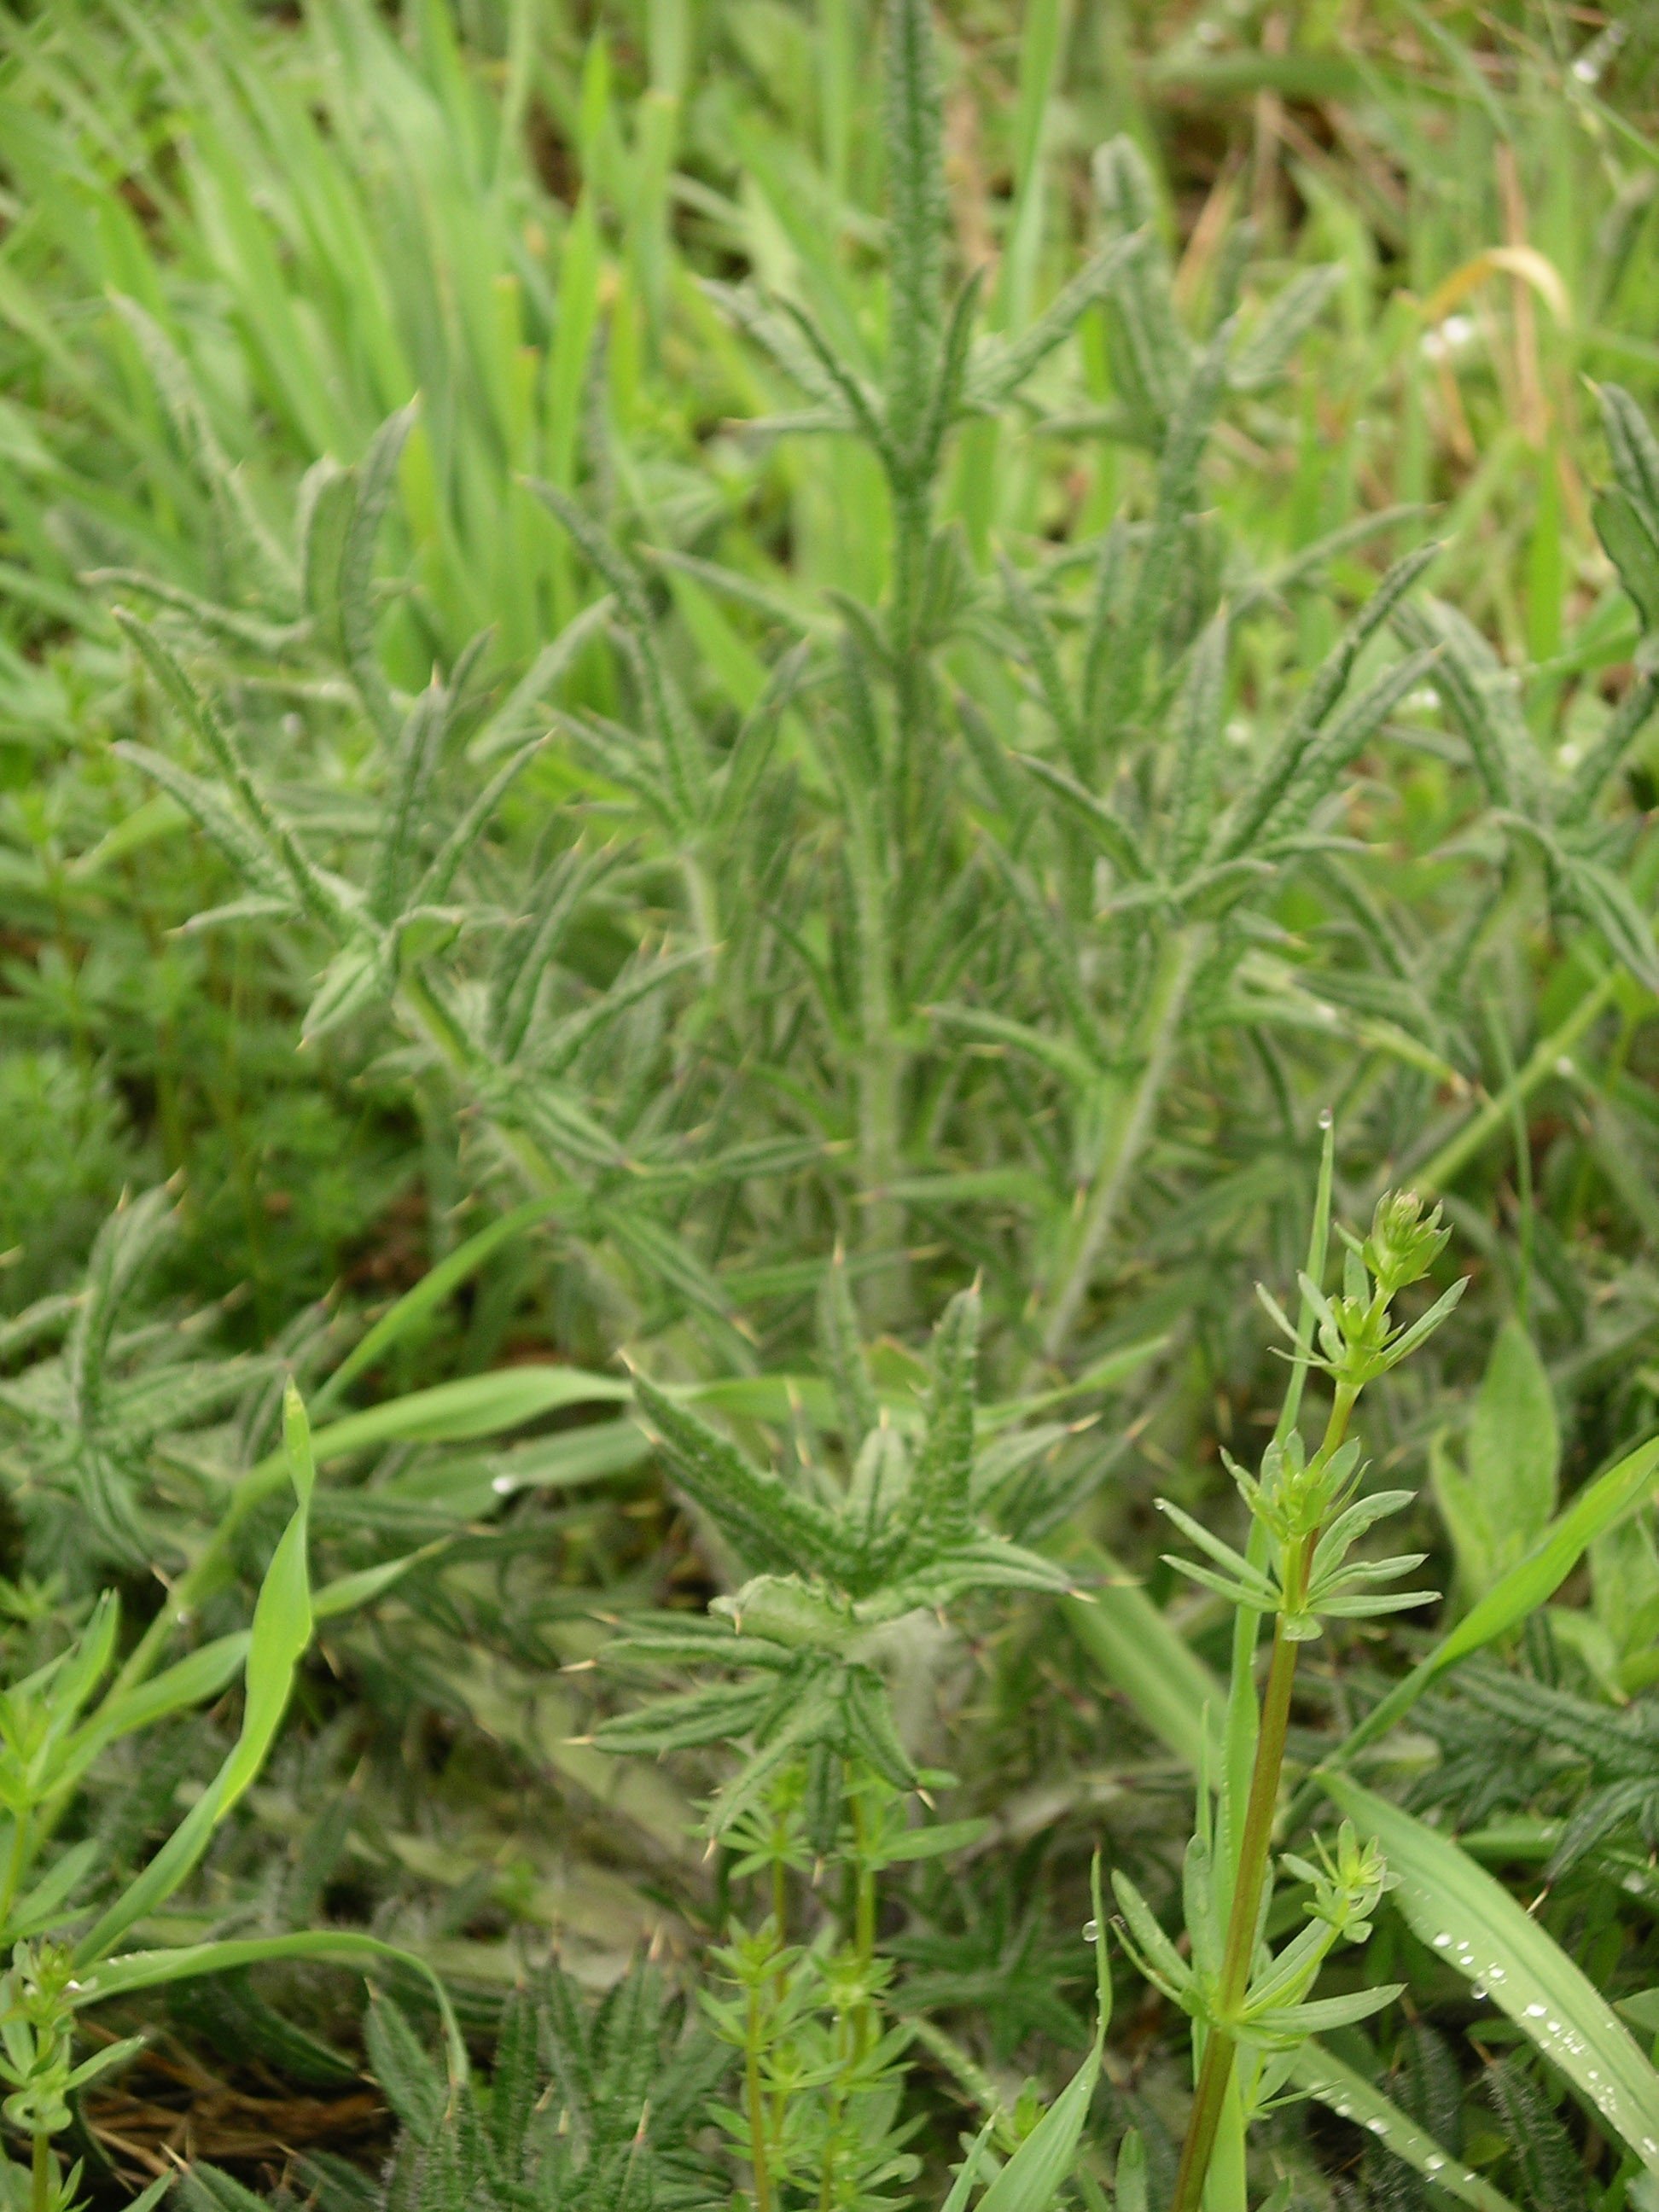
[1348, 2094]
[1472, 1923]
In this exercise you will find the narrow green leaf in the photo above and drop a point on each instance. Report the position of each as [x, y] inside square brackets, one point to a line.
[193, 1681]
[1634, 452]
[1631, 548]
[945, 1463]
[1034, 2175]
[771, 1524]
[1322, 2074]
[376, 480]
[1530, 1583]
[1278, 773]
[350, 1591]
[475, 1406]
[47, 1903]
[842, 1349]
[149, 1970]
[433, 1287]
[281, 1632]
[1515, 1438]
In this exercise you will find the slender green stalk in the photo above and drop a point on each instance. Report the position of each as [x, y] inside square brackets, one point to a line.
[40, 2174]
[864, 1926]
[17, 1862]
[780, 1916]
[846, 2050]
[1255, 1850]
[1454, 1155]
[912, 526]
[755, 2098]
[881, 1067]
[1244, 1724]
[1128, 1131]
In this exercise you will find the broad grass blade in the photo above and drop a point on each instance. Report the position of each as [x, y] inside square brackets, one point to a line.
[476, 1406]
[1474, 1925]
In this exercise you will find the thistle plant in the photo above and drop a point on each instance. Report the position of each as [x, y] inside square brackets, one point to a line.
[592, 2107]
[579, 890]
[86, 1418]
[902, 1534]
[1252, 2008]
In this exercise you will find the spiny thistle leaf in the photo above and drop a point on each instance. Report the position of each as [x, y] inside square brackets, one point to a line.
[942, 1484]
[771, 1525]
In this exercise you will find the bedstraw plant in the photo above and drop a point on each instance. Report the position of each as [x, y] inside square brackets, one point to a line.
[1251, 2009]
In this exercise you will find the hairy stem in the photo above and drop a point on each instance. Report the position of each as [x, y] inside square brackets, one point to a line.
[881, 1058]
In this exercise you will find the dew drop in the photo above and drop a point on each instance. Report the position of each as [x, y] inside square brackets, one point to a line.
[1441, 1940]
[504, 1485]
[1378, 2127]
[1433, 2162]
[1326, 1117]
[1535, 2012]
[1090, 1930]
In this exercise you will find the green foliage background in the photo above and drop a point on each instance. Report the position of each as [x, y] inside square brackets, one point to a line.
[569, 751]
